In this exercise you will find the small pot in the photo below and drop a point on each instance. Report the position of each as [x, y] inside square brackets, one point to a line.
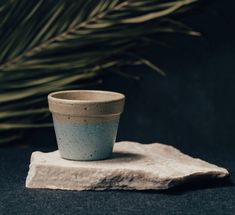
[86, 122]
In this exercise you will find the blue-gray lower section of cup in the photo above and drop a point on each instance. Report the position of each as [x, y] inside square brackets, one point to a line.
[79, 141]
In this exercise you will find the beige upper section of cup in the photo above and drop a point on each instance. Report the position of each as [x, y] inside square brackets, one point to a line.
[86, 102]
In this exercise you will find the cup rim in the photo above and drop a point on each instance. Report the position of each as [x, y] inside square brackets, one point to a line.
[117, 97]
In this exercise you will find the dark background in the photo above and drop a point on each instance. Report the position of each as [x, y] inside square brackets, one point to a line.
[191, 108]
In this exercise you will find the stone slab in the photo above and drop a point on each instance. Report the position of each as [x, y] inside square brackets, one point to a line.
[133, 166]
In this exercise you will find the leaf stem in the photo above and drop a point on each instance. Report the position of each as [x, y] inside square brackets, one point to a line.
[43, 45]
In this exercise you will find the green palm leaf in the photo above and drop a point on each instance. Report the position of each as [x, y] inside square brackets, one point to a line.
[49, 45]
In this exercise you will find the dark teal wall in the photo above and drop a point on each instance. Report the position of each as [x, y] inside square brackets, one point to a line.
[195, 102]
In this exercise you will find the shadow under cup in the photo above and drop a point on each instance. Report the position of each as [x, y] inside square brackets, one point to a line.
[86, 122]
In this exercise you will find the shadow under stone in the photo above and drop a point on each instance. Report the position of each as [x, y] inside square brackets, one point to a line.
[194, 185]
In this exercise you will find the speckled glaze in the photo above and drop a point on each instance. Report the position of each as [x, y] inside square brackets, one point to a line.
[86, 122]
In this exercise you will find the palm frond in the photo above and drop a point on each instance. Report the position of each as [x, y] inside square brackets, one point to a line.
[48, 45]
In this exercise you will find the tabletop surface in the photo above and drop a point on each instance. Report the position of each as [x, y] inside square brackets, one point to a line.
[206, 197]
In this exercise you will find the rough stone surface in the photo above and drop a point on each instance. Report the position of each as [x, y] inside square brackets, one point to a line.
[133, 166]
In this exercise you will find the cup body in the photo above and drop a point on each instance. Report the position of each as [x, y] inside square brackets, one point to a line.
[86, 122]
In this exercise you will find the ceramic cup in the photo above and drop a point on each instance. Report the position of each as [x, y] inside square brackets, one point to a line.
[86, 122]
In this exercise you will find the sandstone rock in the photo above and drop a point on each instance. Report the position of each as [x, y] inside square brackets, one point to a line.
[132, 166]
